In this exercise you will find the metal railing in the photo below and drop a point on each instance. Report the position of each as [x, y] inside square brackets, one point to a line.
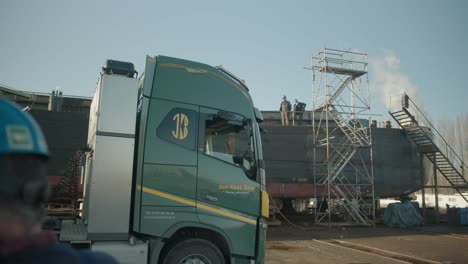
[442, 145]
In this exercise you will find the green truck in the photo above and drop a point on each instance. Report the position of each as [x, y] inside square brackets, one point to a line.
[174, 170]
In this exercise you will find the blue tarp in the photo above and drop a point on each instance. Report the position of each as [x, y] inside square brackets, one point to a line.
[404, 214]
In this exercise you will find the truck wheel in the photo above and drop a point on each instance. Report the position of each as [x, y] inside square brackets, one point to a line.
[194, 251]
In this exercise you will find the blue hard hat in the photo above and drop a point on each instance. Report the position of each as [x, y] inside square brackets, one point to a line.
[19, 132]
[23, 155]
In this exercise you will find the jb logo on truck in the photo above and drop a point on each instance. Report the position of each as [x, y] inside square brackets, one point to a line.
[181, 130]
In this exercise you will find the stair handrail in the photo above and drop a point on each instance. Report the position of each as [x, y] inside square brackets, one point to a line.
[427, 122]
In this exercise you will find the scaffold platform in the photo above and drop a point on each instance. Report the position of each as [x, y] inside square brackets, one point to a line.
[343, 71]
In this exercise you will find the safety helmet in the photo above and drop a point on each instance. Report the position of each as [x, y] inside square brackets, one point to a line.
[23, 156]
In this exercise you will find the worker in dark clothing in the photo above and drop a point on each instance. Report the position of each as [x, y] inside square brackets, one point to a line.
[298, 109]
[23, 193]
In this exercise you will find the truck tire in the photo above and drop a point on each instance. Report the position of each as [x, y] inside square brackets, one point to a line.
[190, 251]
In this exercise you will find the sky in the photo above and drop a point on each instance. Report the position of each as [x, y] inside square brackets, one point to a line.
[414, 46]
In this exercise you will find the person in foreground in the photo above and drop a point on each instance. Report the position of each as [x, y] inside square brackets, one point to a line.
[23, 194]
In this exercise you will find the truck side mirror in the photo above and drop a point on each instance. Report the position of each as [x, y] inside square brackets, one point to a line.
[238, 160]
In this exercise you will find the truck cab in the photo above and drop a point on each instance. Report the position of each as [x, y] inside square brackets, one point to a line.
[174, 171]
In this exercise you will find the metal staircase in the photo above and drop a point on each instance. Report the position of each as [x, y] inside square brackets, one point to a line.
[355, 206]
[341, 104]
[355, 137]
[340, 156]
[340, 89]
[421, 131]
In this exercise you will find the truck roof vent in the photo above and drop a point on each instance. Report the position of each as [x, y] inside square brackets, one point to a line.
[120, 68]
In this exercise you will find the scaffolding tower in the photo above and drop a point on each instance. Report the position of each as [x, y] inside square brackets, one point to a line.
[343, 174]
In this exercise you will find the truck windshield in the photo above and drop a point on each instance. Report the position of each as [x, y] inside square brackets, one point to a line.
[229, 137]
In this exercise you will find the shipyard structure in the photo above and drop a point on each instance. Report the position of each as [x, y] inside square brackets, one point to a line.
[338, 161]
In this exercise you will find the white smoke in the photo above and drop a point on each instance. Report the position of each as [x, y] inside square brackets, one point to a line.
[389, 83]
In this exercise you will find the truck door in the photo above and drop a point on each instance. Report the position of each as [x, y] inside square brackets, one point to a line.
[227, 193]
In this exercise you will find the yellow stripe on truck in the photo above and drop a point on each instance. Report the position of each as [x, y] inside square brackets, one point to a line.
[227, 214]
[198, 205]
[166, 195]
[265, 205]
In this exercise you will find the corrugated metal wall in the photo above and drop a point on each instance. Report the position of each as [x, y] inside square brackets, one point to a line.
[65, 132]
